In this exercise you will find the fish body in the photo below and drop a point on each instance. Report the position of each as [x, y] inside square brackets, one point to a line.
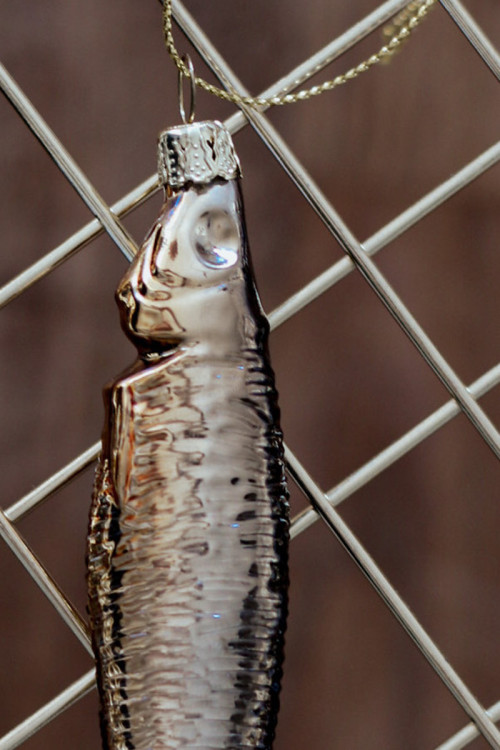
[187, 548]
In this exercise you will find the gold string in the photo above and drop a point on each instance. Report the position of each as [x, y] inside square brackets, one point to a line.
[397, 31]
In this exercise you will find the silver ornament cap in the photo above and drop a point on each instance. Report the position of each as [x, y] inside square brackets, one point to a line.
[198, 153]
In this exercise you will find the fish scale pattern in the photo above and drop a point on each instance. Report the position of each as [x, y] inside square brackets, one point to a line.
[188, 541]
[187, 571]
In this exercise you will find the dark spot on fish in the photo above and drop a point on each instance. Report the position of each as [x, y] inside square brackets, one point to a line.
[238, 718]
[248, 542]
[244, 680]
[257, 410]
[211, 143]
[196, 432]
[245, 633]
[254, 570]
[197, 548]
[235, 480]
[250, 496]
[276, 580]
[247, 515]
[251, 603]
[174, 249]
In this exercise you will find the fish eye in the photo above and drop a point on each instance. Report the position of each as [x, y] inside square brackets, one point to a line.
[216, 239]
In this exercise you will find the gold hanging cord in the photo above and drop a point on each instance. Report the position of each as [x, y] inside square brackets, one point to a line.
[397, 32]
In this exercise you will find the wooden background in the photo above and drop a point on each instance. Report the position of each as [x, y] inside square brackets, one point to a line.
[350, 381]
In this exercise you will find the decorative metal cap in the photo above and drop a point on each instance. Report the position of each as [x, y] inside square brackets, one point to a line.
[198, 153]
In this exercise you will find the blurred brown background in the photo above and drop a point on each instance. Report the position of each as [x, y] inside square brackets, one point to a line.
[350, 381]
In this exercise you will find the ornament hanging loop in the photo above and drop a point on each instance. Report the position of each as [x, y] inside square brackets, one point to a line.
[188, 66]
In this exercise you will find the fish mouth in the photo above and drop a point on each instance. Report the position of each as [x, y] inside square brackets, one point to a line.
[153, 329]
[127, 305]
[125, 298]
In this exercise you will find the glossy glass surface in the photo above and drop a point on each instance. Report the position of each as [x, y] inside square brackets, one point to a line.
[189, 525]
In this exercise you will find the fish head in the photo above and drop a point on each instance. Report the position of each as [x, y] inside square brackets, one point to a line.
[188, 278]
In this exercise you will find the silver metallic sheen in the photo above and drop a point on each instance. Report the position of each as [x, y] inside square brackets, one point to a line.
[187, 549]
[196, 153]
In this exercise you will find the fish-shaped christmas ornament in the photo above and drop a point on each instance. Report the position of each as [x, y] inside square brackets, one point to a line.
[187, 548]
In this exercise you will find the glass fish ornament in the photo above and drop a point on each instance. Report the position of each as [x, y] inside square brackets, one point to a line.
[188, 538]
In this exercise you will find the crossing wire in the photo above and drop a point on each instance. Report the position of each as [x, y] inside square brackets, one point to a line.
[358, 255]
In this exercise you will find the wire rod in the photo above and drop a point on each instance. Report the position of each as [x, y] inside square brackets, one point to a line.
[325, 56]
[476, 36]
[387, 234]
[308, 293]
[394, 602]
[315, 197]
[45, 582]
[319, 202]
[85, 684]
[67, 164]
[288, 308]
[336, 495]
[395, 451]
[284, 311]
[48, 712]
[76, 242]
[23, 506]
[321, 283]
[235, 123]
[337, 47]
[469, 733]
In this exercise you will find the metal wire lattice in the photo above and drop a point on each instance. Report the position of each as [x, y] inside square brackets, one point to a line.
[464, 398]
